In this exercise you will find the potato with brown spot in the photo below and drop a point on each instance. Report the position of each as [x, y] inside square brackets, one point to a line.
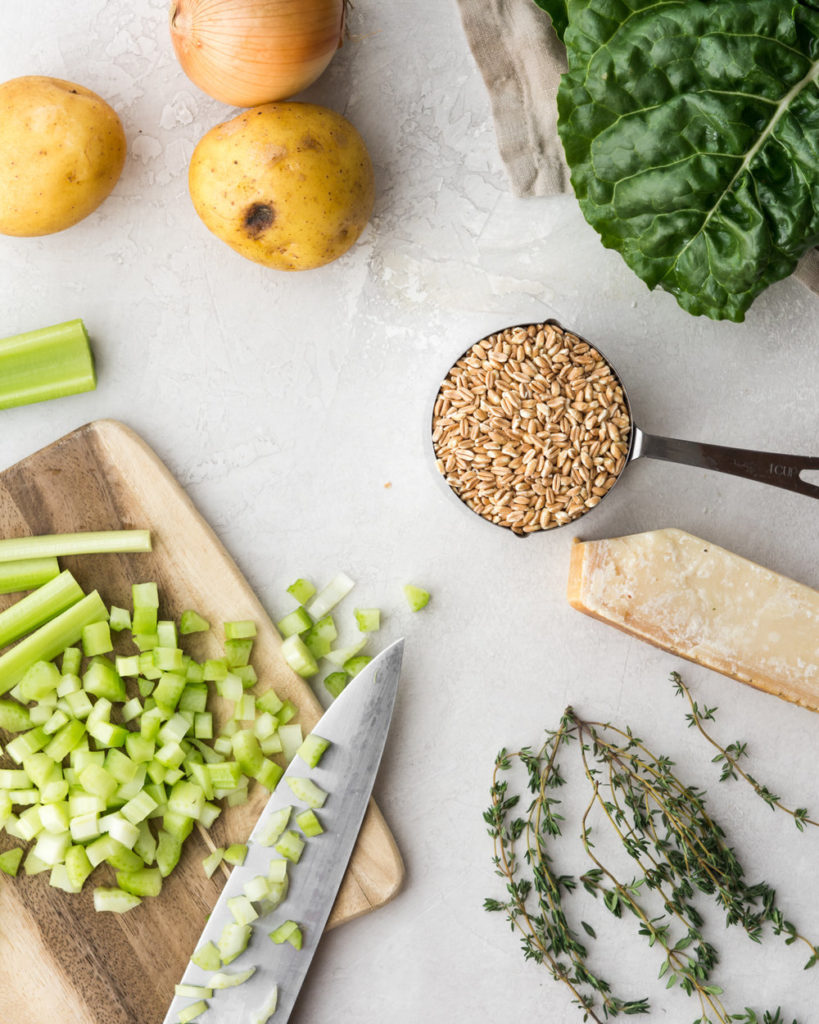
[288, 185]
[62, 150]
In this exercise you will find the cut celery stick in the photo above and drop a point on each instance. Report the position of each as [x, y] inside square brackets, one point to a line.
[354, 665]
[297, 621]
[290, 932]
[92, 542]
[10, 861]
[367, 619]
[269, 1008]
[212, 861]
[190, 1013]
[27, 574]
[236, 853]
[290, 846]
[193, 991]
[335, 682]
[307, 791]
[241, 629]
[192, 622]
[225, 979]
[207, 957]
[39, 607]
[142, 882]
[327, 598]
[96, 639]
[274, 826]
[298, 657]
[13, 716]
[309, 823]
[114, 900]
[50, 362]
[232, 943]
[302, 590]
[340, 655]
[50, 639]
[242, 910]
[312, 749]
[416, 597]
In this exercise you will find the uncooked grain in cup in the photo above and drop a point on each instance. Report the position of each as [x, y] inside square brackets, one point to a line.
[531, 428]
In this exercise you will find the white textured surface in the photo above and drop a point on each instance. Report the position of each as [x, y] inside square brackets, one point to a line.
[285, 404]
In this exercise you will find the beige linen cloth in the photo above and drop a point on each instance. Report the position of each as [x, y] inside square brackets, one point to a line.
[521, 60]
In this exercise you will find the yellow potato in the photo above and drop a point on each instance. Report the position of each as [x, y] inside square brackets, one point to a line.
[289, 185]
[62, 149]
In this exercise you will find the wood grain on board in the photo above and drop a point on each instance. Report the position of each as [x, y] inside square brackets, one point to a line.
[60, 961]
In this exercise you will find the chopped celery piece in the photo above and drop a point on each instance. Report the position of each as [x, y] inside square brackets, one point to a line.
[192, 622]
[142, 882]
[225, 979]
[168, 690]
[102, 680]
[257, 889]
[139, 807]
[114, 900]
[193, 991]
[39, 607]
[96, 639]
[302, 590]
[236, 853]
[212, 861]
[215, 669]
[416, 597]
[190, 1013]
[42, 678]
[277, 872]
[96, 542]
[13, 716]
[78, 866]
[307, 791]
[203, 725]
[230, 687]
[343, 654]
[194, 697]
[237, 652]
[241, 629]
[168, 659]
[355, 665]
[72, 659]
[166, 633]
[297, 621]
[50, 639]
[269, 774]
[291, 846]
[288, 932]
[168, 851]
[292, 738]
[49, 362]
[10, 861]
[242, 909]
[312, 749]
[119, 619]
[273, 826]
[27, 574]
[59, 879]
[269, 702]
[320, 637]
[327, 598]
[269, 1008]
[309, 823]
[66, 739]
[247, 752]
[145, 595]
[368, 619]
[207, 957]
[298, 657]
[187, 799]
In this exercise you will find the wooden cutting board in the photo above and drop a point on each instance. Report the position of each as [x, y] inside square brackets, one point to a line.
[60, 961]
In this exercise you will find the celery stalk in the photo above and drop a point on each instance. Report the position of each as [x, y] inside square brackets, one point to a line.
[44, 604]
[92, 542]
[50, 639]
[51, 362]
[27, 574]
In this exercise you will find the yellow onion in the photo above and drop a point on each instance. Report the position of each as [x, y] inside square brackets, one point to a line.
[249, 52]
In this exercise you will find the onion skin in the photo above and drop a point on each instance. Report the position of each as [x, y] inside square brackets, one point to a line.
[249, 52]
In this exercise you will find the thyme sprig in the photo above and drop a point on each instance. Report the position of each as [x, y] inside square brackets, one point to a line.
[678, 849]
[730, 756]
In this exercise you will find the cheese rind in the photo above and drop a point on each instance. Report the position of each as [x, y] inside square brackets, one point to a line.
[706, 604]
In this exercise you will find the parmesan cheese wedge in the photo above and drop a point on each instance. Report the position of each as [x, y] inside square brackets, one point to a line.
[705, 604]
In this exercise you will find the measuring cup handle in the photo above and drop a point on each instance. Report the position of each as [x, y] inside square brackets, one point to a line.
[766, 467]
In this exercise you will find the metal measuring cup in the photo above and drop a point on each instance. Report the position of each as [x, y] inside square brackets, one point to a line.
[775, 468]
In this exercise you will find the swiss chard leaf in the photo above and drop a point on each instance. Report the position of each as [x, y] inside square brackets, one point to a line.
[691, 128]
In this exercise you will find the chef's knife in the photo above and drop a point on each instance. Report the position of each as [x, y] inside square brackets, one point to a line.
[356, 726]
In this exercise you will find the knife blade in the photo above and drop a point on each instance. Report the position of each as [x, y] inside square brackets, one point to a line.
[356, 725]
